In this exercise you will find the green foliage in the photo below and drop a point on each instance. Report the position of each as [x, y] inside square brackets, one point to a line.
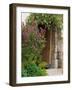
[33, 70]
[50, 20]
[32, 51]
[24, 72]
[31, 56]
[42, 64]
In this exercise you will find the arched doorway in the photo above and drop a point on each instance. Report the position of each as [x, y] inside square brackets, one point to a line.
[53, 50]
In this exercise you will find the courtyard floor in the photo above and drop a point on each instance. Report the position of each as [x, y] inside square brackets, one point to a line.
[55, 72]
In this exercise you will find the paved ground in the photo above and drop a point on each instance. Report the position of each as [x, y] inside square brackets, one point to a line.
[54, 72]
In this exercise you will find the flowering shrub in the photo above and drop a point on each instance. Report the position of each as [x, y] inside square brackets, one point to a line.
[32, 45]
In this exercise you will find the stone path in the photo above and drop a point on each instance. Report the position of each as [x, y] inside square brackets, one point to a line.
[54, 72]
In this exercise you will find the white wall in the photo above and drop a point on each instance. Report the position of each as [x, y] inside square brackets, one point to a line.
[4, 45]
